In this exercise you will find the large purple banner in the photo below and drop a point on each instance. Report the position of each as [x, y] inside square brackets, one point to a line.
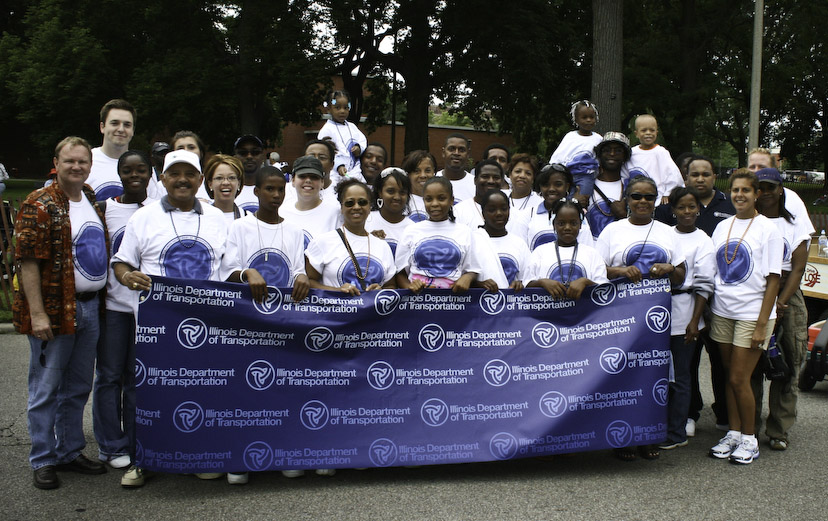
[393, 378]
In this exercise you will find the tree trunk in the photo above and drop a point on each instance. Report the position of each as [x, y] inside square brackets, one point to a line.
[416, 60]
[608, 62]
[686, 115]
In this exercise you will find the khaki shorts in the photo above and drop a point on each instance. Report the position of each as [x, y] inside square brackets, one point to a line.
[737, 332]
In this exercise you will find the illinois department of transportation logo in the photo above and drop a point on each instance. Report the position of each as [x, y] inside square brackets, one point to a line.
[383, 452]
[619, 434]
[188, 417]
[492, 303]
[603, 294]
[380, 375]
[258, 456]
[613, 360]
[552, 404]
[260, 375]
[144, 295]
[503, 445]
[314, 415]
[434, 412]
[661, 391]
[192, 333]
[271, 303]
[319, 338]
[386, 301]
[658, 319]
[432, 337]
[497, 372]
[140, 372]
[545, 335]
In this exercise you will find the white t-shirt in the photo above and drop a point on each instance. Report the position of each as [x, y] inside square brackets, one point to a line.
[797, 208]
[513, 255]
[173, 243]
[103, 177]
[314, 222]
[463, 188]
[119, 297]
[655, 163]
[793, 234]
[701, 269]
[541, 230]
[344, 136]
[274, 250]
[571, 144]
[393, 231]
[438, 250]
[741, 283]
[155, 189]
[328, 255]
[598, 211]
[247, 200]
[543, 264]
[625, 244]
[88, 246]
[417, 206]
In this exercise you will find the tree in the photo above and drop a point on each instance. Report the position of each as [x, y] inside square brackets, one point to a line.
[607, 60]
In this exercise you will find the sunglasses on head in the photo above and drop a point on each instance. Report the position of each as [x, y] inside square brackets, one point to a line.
[557, 167]
[648, 197]
[351, 202]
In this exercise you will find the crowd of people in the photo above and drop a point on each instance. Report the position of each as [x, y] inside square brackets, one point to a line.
[341, 219]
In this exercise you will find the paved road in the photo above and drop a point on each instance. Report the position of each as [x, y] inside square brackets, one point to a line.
[684, 484]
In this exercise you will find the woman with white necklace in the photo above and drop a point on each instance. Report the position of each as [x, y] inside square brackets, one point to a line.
[640, 246]
[388, 219]
[749, 253]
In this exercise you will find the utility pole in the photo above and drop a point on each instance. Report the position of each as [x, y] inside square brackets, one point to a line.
[756, 75]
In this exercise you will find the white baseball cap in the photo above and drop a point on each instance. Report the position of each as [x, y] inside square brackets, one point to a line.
[182, 156]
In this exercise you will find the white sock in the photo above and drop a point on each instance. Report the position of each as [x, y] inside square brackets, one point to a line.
[735, 435]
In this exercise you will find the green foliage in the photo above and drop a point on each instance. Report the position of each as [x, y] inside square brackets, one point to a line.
[216, 69]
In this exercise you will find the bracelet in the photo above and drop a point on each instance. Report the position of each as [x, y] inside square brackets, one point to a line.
[123, 278]
[241, 276]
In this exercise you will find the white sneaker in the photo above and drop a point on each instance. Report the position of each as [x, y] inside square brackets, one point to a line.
[239, 478]
[208, 475]
[746, 452]
[133, 478]
[116, 462]
[293, 473]
[690, 427]
[325, 472]
[726, 445]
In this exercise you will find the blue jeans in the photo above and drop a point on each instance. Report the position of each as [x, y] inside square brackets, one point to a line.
[59, 389]
[113, 403]
[679, 398]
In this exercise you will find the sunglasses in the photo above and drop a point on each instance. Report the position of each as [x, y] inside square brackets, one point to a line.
[351, 202]
[648, 197]
[557, 167]
[248, 152]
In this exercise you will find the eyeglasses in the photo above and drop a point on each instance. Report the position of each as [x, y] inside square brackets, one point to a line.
[648, 197]
[351, 202]
[229, 179]
[246, 152]
[321, 157]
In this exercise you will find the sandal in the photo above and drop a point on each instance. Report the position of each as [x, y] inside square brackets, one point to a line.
[778, 443]
[649, 452]
[625, 453]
